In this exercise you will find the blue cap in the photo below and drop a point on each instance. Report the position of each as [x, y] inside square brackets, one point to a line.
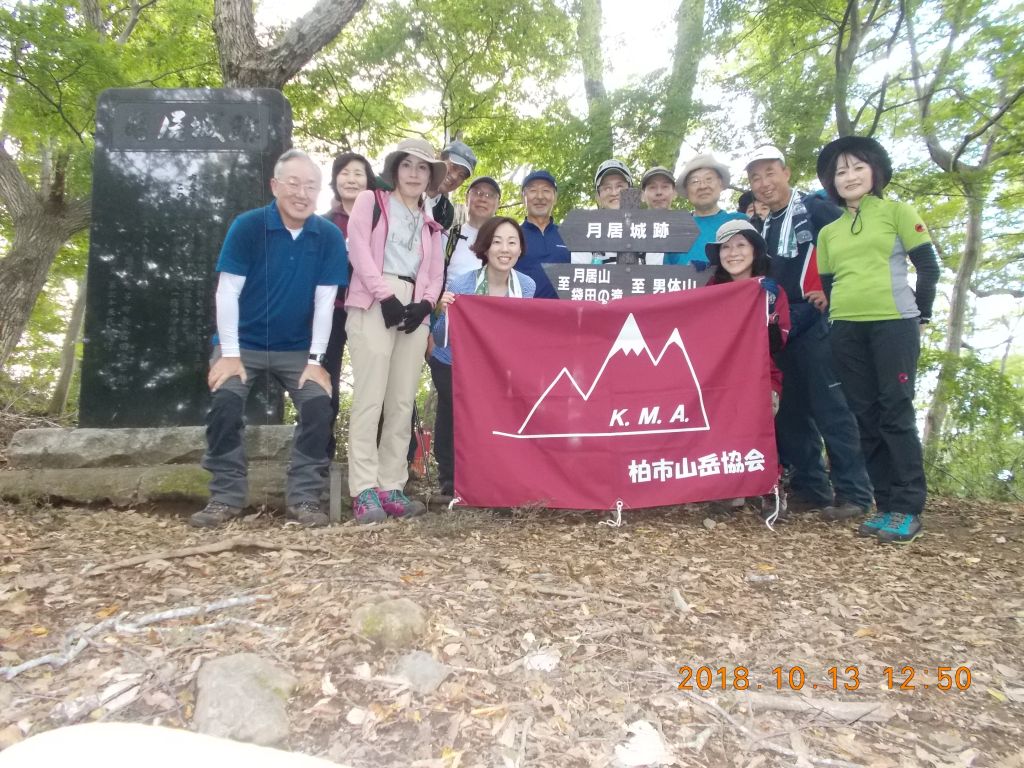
[541, 175]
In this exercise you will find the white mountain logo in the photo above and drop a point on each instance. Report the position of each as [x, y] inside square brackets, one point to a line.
[669, 399]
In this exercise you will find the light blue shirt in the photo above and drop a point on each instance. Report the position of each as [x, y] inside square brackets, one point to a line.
[708, 226]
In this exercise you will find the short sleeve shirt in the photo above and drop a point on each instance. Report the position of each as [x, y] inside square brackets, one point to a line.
[708, 226]
[275, 308]
[868, 260]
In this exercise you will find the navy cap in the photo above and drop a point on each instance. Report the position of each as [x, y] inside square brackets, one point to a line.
[541, 175]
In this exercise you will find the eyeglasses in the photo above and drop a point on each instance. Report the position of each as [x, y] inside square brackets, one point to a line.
[699, 181]
[294, 185]
[486, 194]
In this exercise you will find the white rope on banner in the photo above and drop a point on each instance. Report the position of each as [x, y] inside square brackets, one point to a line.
[616, 520]
[770, 520]
[451, 504]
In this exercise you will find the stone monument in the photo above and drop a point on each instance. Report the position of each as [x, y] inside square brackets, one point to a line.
[172, 168]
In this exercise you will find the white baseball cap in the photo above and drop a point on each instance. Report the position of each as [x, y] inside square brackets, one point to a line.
[765, 152]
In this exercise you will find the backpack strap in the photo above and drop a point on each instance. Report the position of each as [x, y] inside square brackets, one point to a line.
[377, 210]
[453, 240]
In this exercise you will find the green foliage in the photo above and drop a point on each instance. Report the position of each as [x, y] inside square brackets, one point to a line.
[54, 64]
[983, 433]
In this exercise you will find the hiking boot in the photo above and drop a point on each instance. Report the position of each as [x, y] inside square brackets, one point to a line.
[901, 529]
[397, 504]
[367, 509]
[874, 522]
[800, 505]
[215, 513]
[307, 514]
[845, 511]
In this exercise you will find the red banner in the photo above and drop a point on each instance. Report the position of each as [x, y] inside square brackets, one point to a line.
[653, 400]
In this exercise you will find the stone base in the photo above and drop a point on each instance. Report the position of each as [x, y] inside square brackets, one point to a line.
[57, 448]
[130, 486]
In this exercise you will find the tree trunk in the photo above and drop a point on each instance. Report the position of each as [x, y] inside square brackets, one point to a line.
[958, 305]
[37, 240]
[845, 57]
[678, 107]
[68, 358]
[244, 63]
[599, 108]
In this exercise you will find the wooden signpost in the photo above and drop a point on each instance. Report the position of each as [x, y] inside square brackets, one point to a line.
[629, 232]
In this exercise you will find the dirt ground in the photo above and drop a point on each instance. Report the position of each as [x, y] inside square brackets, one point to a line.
[617, 611]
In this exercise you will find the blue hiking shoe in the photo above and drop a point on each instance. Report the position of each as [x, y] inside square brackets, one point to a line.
[873, 523]
[901, 529]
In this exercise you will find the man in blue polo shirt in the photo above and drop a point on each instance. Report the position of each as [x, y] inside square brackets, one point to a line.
[543, 242]
[280, 268]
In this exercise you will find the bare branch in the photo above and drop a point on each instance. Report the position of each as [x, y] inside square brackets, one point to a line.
[995, 118]
[57, 105]
[986, 292]
[135, 8]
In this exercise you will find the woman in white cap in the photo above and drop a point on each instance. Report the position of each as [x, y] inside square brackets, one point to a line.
[877, 319]
[395, 252]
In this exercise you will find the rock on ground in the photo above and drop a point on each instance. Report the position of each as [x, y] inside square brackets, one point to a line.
[392, 624]
[424, 674]
[243, 697]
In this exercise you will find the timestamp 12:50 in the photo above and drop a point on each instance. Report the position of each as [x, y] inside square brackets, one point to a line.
[738, 678]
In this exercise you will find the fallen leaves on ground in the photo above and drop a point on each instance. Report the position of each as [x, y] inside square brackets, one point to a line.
[560, 633]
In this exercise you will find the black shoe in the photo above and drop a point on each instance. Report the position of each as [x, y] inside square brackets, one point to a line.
[307, 514]
[800, 505]
[845, 511]
[214, 514]
[901, 529]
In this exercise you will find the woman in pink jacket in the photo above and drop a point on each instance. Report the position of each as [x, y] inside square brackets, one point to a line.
[395, 253]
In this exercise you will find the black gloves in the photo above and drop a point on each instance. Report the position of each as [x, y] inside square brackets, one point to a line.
[415, 314]
[393, 311]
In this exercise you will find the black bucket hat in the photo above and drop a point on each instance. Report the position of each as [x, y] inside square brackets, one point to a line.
[860, 144]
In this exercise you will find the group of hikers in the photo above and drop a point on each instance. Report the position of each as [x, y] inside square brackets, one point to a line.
[380, 269]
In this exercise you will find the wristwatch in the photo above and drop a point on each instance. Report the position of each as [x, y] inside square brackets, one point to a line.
[318, 359]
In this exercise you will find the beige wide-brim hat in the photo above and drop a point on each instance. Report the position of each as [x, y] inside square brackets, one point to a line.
[417, 148]
[696, 164]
